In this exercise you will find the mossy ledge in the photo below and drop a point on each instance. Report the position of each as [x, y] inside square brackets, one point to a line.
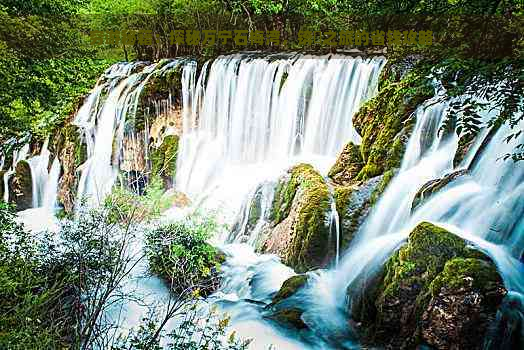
[384, 122]
[435, 291]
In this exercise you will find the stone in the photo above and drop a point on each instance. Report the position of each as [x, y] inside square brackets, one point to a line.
[435, 290]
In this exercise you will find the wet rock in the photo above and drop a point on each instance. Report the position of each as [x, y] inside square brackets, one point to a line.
[464, 145]
[353, 205]
[283, 309]
[21, 187]
[72, 153]
[383, 118]
[435, 290]
[433, 186]
[465, 298]
[348, 165]
[299, 215]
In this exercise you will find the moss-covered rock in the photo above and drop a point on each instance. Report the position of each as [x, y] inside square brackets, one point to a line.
[163, 160]
[289, 288]
[283, 309]
[414, 291]
[381, 120]
[348, 165]
[464, 303]
[67, 145]
[21, 187]
[353, 205]
[299, 215]
[433, 186]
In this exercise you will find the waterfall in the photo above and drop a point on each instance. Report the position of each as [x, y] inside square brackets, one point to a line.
[44, 179]
[257, 115]
[102, 120]
[484, 206]
[18, 156]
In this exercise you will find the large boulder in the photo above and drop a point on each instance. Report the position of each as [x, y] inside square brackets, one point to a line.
[21, 187]
[433, 186]
[435, 291]
[300, 212]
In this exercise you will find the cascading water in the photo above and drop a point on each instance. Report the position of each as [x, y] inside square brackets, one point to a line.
[44, 180]
[18, 156]
[103, 124]
[255, 116]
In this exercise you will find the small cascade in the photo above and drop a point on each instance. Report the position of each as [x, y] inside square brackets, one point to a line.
[18, 156]
[334, 229]
[484, 207]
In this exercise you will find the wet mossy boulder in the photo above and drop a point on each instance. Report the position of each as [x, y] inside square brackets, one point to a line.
[384, 123]
[435, 290]
[348, 165]
[21, 187]
[299, 231]
[163, 160]
[283, 308]
[433, 186]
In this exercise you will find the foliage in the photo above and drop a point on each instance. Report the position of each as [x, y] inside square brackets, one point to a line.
[179, 252]
[34, 300]
[126, 206]
[195, 332]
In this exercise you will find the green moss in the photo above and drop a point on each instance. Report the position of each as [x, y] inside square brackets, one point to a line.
[163, 159]
[386, 179]
[392, 306]
[459, 272]
[310, 241]
[310, 236]
[286, 188]
[383, 117]
[348, 165]
[290, 287]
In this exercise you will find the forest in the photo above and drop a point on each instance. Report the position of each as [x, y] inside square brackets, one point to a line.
[261, 174]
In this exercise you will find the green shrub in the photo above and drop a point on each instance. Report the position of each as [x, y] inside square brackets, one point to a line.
[179, 252]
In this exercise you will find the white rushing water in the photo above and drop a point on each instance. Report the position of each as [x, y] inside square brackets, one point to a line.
[103, 124]
[44, 179]
[253, 116]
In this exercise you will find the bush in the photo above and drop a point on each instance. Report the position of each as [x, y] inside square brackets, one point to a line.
[179, 253]
[126, 207]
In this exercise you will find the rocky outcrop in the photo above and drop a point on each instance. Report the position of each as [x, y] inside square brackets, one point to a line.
[354, 204]
[348, 165]
[72, 152]
[433, 186]
[384, 123]
[434, 291]
[299, 216]
[21, 187]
